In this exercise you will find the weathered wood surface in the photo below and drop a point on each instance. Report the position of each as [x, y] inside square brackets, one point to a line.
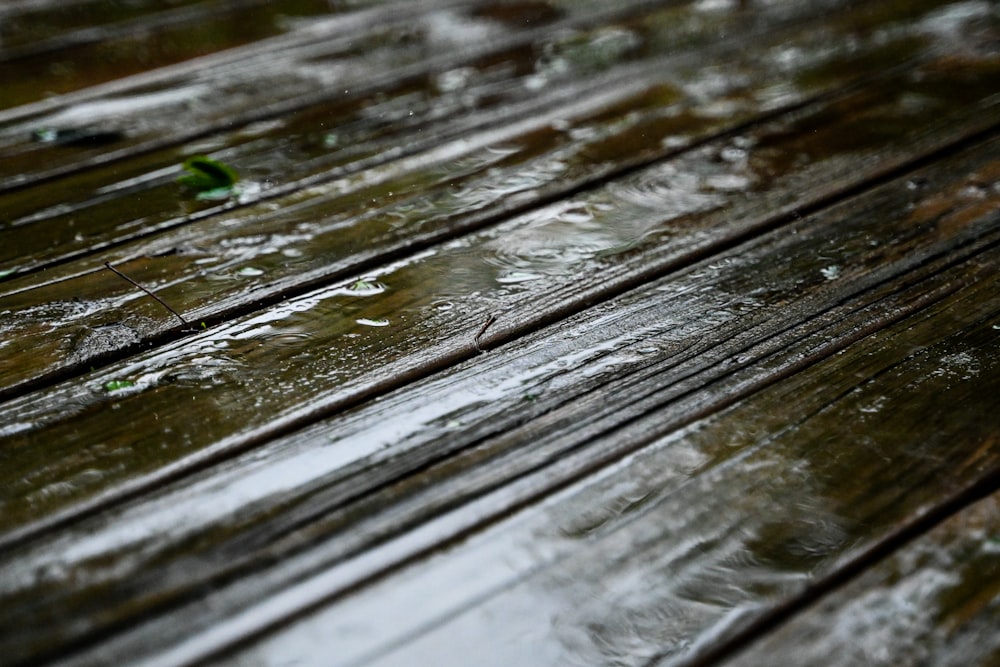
[678, 548]
[49, 47]
[934, 602]
[746, 306]
[423, 424]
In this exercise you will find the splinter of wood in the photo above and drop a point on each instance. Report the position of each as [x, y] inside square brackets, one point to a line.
[490, 319]
[150, 293]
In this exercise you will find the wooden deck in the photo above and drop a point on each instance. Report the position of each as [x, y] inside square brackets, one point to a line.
[536, 332]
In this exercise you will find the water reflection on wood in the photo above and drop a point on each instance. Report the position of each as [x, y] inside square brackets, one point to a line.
[660, 332]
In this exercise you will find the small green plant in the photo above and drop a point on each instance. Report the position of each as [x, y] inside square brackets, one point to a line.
[211, 179]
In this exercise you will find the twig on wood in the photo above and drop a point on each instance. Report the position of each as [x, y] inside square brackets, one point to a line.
[150, 293]
[490, 319]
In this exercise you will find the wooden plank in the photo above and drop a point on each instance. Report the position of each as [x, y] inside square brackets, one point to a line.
[335, 234]
[676, 548]
[579, 377]
[356, 52]
[934, 602]
[403, 117]
[65, 47]
[325, 323]
[424, 110]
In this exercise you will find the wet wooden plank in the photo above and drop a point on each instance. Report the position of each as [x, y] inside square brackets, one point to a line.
[331, 232]
[696, 344]
[295, 151]
[343, 55]
[933, 602]
[448, 294]
[676, 548]
[581, 382]
[56, 48]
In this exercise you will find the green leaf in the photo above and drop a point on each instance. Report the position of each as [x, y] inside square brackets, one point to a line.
[211, 178]
[115, 385]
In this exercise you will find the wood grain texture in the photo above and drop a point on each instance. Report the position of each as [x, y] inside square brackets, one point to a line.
[674, 549]
[653, 365]
[170, 378]
[645, 333]
[416, 111]
[935, 601]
